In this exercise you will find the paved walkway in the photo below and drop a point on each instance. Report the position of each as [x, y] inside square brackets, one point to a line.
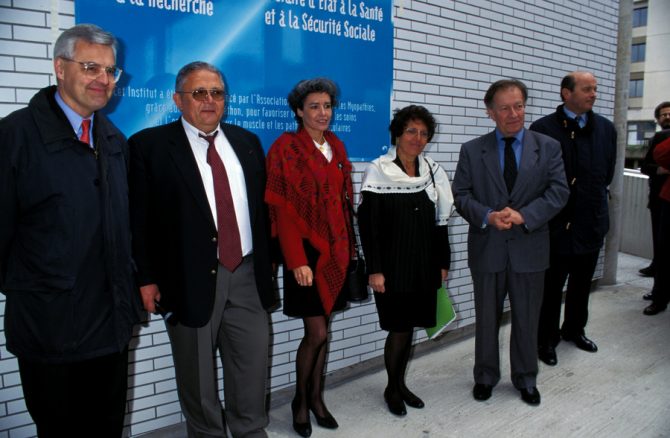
[623, 390]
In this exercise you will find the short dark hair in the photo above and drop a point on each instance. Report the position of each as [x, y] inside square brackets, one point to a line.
[402, 117]
[190, 68]
[657, 111]
[92, 34]
[503, 84]
[568, 82]
[297, 96]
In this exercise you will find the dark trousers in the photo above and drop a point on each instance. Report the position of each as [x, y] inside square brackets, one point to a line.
[661, 289]
[80, 399]
[655, 213]
[525, 295]
[578, 269]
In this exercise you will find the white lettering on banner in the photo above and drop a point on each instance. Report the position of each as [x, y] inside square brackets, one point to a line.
[195, 7]
[286, 16]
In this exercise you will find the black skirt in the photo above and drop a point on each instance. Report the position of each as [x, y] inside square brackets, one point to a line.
[304, 301]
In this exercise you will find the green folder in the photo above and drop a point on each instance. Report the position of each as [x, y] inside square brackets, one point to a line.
[445, 313]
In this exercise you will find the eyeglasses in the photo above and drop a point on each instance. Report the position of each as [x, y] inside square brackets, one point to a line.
[93, 70]
[414, 131]
[201, 94]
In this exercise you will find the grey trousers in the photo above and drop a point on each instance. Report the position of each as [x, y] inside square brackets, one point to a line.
[239, 329]
[525, 294]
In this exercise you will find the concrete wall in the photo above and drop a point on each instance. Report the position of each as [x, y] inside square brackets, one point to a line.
[446, 54]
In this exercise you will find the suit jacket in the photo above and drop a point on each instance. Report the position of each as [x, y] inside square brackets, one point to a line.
[174, 234]
[540, 191]
[589, 157]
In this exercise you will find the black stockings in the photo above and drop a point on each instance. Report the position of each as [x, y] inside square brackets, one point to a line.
[309, 363]
[396, 357]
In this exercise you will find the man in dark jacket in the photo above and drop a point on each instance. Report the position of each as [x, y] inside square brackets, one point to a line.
[657, 176]
[201, 240]
[65, 257]
[588, 143]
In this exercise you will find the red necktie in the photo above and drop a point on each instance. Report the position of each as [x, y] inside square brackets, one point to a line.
[85, 128]
[230, 248]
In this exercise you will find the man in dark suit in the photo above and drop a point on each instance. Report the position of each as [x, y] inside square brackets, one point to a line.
[657, 176]
[588, 144]
[201, 244]
[507, 186]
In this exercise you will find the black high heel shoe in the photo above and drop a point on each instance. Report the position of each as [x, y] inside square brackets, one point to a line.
[303, 429]
[327, 421]
[411, 399]
[396, 406]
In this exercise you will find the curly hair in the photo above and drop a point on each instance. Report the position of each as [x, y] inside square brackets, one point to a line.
[297, 96]
[402, 117]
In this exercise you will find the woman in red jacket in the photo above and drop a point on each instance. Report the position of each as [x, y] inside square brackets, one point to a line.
[309, 192]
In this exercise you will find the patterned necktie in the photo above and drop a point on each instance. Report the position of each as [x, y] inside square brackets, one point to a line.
[85, 128]
[230, 248]
[510, 171]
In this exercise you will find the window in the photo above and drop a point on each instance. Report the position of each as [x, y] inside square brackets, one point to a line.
[640, 17]
[635, 87]
[640, 132]
[638, 52]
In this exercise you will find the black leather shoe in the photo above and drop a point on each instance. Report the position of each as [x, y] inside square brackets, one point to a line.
[327, 421]
[582, 342]
[654, 308]
[411, 399]
[530, 395]
[482, 391]
[547, 354]
[303, 429]
[648, 271]
[395, 405]
[648, 296]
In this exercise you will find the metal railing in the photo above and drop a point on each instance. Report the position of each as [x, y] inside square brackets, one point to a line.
[635, 219]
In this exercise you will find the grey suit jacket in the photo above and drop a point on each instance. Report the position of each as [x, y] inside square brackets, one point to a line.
[539, 193]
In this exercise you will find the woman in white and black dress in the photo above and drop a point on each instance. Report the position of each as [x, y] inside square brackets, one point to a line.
[406, 203]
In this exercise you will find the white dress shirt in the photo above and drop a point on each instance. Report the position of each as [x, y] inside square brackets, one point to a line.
[238, 187]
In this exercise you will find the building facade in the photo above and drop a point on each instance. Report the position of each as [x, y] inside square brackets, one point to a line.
[649, 73]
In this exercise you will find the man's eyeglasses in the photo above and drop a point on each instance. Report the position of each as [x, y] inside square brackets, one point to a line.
[93, 70]
[413, 132]
[201, 94]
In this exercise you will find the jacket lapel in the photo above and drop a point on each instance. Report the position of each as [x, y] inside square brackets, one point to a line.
[491, 160]
[529, 157]
[182, 155]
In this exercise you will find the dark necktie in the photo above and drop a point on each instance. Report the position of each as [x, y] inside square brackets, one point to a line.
[510, 171]
[85, 128]
[230, 248]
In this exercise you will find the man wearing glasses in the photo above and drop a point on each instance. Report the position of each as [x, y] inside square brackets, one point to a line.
[65, 254]
[201, 244]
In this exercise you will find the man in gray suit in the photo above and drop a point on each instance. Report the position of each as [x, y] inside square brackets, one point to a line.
[508, 184]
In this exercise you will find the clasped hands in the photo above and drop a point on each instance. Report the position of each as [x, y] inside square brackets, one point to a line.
[505, 218]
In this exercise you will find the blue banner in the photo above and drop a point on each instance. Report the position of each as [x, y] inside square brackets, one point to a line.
[263, 48]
